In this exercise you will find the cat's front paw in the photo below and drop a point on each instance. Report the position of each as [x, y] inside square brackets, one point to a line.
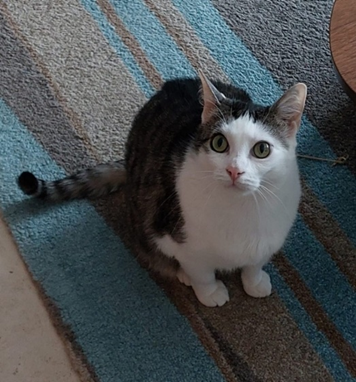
[263, 288]
[218, 297]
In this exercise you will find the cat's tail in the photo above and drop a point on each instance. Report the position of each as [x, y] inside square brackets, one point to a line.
[90, 183]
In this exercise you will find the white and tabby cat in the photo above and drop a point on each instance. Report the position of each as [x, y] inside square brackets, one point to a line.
[210, 180]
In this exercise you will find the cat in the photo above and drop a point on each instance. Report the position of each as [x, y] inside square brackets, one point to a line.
[210, 179]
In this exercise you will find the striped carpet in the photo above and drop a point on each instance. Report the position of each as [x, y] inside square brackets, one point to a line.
[72, 76]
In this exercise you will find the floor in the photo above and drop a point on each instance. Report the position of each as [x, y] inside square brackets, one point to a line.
[30, 349]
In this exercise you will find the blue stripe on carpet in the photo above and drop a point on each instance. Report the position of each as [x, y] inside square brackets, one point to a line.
[125, 324]
[159, 47]
[334, 186]
[120, 48]
[317, 339]
[321, 275]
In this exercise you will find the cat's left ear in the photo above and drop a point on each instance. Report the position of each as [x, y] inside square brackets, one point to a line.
[211, 98]
[289, 108]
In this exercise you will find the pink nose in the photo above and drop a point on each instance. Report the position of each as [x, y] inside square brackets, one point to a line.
[234, 173]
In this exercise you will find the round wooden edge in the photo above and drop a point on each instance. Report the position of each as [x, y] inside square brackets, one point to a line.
[350, 92]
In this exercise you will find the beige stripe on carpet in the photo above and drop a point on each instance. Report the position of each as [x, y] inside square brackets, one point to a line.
[93, 81]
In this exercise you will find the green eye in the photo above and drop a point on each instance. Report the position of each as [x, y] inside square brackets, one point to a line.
[261, 150]
[219, 143]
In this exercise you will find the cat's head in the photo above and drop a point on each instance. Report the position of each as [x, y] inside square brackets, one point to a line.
[247, 146]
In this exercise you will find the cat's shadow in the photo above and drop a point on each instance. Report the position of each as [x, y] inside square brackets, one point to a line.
[17, 211]
[27, 209]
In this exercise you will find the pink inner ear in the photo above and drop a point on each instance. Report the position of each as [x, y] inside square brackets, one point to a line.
[293, 124]
[208, 111]
[210, 100]
[290, 107]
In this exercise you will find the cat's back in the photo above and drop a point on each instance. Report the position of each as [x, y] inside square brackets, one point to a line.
[174, 98]
[166, 125]
[161, 134]
[183, 90]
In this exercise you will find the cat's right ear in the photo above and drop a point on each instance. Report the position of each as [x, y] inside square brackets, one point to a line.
[211, 98]
[289, 108]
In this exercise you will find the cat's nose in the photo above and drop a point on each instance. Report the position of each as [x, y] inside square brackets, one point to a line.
[234, 173]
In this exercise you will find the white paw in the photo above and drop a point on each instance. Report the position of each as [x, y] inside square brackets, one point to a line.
[183, 277]
[262, 289]
[217, 298]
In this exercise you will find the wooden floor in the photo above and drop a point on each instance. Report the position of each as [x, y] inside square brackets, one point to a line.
[30, 349]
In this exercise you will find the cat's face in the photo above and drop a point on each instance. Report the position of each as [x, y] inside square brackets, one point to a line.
[245, 155]
[251, 150]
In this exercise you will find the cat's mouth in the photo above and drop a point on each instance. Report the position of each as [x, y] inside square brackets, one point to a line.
[242, 187]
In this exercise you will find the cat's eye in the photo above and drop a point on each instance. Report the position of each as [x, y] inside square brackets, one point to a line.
[261, 150]
[219, 143]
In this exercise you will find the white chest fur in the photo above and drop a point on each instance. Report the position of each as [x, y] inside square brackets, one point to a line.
[228, 230]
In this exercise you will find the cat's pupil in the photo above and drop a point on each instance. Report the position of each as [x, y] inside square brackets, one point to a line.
[220, 142]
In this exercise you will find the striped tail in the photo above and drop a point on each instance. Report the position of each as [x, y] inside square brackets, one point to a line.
[90, 183]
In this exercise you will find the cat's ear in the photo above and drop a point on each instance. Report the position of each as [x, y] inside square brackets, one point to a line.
[289, 108]
[211, 98]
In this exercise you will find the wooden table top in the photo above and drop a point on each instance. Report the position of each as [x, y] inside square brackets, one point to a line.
[343, 43]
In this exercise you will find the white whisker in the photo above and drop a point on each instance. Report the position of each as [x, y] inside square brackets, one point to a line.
[257, 206]
[270, 184]
[270, 192]
[264, 197]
